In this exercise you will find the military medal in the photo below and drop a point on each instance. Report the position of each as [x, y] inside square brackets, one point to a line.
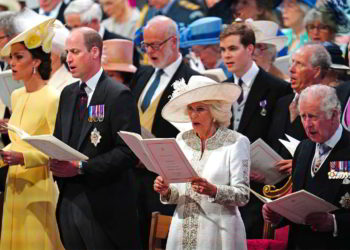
[345, 201]
[263, 104]
[101, 112]
[96, 113]
[95, 137]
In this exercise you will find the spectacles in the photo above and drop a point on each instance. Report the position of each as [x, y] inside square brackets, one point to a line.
[262, 48]
[154, 46]
[3, 37]
[320, 27]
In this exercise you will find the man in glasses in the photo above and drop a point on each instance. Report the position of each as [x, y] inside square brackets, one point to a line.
[152, 86]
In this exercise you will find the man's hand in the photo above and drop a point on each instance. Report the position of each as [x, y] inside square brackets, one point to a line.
[257, 177]
[270, 216]
[12, 157]
[3, 122]
[64, 168]
[320, 221]
[285, 166]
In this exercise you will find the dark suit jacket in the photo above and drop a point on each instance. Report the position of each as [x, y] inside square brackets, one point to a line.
[281, 125]
[254, 126]
[343, 93]
[331, 190]
[161, 128]
[107, 181]
[60, 15]
[110, 35]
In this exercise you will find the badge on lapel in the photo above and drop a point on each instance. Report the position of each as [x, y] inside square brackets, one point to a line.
[345, 201]
[96, 113]
[95, 137]
[339, 170]
[263, 105]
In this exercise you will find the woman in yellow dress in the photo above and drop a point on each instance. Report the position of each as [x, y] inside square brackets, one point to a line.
[29, 220]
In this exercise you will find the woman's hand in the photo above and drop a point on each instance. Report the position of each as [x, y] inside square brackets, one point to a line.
[3, 122]
[202, 186]
[161, 186]
[12, 157]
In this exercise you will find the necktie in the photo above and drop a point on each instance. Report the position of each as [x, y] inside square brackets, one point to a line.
[321, 150]
[150, 92]
[83, 99]
[240, 98]
[347, 115]
[293, 108]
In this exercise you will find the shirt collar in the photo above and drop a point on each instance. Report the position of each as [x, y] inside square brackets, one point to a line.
[92, 82]
[331, 142]
[171, 69]
[249, 76]
[102, 31]
[53, 12]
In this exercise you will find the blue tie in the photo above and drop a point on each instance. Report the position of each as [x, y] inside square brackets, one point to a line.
[150, 92]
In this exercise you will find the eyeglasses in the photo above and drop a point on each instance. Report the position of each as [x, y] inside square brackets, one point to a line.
[154, 46]
[262, 48]
[320, 27]
[3, 37]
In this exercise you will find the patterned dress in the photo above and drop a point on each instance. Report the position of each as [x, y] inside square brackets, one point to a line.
[201, 222]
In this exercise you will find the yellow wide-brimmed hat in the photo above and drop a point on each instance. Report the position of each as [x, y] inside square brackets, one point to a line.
[117, 55]
[198, 89]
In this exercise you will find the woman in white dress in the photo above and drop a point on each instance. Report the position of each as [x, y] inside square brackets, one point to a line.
[207, 215]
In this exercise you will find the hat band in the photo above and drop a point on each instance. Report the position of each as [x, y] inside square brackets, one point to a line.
[215, 34]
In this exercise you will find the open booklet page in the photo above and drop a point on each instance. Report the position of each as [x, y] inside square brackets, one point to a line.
[263, 161]
[160, 155]
[49, 145]
[291, 144]
[7, 86]
[296, 206]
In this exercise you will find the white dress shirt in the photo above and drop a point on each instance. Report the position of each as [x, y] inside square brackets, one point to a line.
[91, 85]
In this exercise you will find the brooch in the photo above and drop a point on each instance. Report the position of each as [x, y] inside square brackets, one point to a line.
[263, 105]
[95, 137]
[345, 201]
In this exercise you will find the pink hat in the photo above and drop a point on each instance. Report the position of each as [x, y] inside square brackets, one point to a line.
[117, 55]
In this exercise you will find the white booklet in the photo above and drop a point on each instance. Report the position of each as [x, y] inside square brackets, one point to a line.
[160, 155]
[49, 145]
[7, 86]
[291, 145]
[296, 206]
[263, 161]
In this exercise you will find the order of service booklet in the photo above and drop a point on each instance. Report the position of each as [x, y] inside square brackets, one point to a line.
[49, 145]
[162, 156]
[296, 206]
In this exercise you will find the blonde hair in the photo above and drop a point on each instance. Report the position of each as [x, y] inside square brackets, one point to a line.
[220, 111]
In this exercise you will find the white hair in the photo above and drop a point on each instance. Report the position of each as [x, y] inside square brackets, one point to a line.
[220, 111]
[327, 95]
[88, 10]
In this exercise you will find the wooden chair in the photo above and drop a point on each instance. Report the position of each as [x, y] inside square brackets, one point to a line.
[160, 225]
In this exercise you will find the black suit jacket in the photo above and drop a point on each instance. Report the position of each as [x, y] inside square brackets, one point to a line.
[136, 55]
[107, 181]
[343, 93]
[281, 125]
[331, 190]
[161, 128]
[60, 15]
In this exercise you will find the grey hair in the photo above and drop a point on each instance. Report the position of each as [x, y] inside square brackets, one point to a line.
[220, 111]
[327, 95]
[7, 23]
[88, 10]
[320, 58]
[315, 15]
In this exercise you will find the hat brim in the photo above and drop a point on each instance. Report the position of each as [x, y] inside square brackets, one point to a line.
[339, 66]
[120, 67]
[278, 41]
[20, 38]
[11, 5]
[176, 109]
[191, 43]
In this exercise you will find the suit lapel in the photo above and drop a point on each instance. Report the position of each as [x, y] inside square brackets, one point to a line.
[303, 164]
[251, 106]
[141, 83]
[69, 111]
[97, 98]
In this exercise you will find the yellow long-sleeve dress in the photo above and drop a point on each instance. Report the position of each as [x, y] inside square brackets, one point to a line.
[29, 220]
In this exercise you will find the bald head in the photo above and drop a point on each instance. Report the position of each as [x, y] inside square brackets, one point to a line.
[163, 25]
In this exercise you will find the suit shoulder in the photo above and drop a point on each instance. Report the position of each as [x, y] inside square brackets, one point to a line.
[192, 10]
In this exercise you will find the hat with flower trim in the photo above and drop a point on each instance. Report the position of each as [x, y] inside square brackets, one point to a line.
[198, 89]
[39, 33]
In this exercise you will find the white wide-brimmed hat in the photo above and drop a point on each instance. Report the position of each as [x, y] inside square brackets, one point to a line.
[11, 5]
[266, 32]
[36, 30]
[198, 89]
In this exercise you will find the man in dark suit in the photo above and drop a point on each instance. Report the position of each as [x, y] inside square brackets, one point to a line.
[252, 113]
[97, 202]
[315, 159]
[152, 91]
[87, 13]
[52, 8]
[309, 66]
